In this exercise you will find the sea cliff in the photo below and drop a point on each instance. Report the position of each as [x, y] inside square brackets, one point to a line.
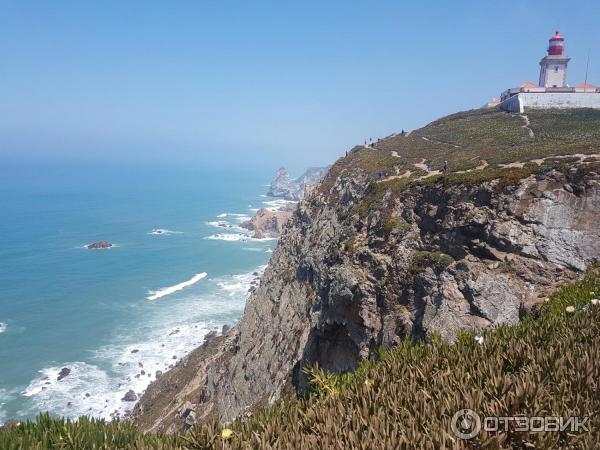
[467, 223]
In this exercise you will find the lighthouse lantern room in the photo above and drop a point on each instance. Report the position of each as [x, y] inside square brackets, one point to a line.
[553, 67]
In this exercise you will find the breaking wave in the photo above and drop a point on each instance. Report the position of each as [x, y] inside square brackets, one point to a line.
[155, 295]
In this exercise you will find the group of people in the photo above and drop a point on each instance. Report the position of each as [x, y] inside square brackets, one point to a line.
[429, 166]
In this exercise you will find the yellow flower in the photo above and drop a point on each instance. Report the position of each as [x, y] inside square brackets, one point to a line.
[570, 309]
[546, 300]
[369, 383]
[226, 433]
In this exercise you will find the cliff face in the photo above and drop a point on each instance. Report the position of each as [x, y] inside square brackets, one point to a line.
[295, 189]
[355, 271]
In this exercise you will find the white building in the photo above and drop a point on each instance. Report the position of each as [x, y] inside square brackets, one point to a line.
[553, 90]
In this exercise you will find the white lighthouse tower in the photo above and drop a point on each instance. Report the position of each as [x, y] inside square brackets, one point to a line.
[553, 67]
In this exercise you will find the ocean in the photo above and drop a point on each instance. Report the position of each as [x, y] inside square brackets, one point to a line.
[179, 268]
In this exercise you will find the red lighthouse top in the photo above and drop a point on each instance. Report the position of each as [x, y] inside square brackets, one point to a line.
[557, 45]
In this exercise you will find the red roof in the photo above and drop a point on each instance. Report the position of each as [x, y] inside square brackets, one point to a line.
[557, 37]
[528, 84]
[585, 86]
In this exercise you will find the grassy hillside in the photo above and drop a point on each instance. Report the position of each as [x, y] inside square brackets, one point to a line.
[547, 365]
[470, 139]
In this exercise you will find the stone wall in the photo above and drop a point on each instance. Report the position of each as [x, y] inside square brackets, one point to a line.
[519, 102]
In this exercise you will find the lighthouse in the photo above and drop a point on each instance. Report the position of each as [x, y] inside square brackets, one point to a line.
[552, 90]
[553, 67]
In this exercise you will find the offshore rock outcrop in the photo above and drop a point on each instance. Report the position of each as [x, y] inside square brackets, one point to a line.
[295, 189]
[347, 279]
[267, 223]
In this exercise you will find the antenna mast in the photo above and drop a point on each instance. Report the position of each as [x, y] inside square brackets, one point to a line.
[587, 69]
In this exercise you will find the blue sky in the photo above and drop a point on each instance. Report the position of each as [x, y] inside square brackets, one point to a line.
[260, 82]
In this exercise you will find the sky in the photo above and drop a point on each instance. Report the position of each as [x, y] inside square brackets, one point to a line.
[260, 82]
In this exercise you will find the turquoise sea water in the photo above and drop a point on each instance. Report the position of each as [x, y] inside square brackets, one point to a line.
[62, 305]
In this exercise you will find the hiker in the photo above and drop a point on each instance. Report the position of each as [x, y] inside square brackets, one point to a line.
[429, 166]
[445, 166]
[403, 133]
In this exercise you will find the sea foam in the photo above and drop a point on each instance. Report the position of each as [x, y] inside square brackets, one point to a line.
[237, 237]
[2, 327]
[133, 363]
[154, 295]
[164, 232]
[277, 204]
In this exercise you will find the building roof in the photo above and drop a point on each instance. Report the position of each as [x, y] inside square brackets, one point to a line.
[528, 84]
[586, 86]
[557, 37]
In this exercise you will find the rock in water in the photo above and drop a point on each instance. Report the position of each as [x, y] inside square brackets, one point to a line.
[210, 335]
[267, 223]
[99, 245]
[63, 373]
[130, 396]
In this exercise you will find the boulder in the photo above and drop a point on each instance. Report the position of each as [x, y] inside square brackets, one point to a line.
[130, 396]
[99, 245]
[210, 335]
[65, 371]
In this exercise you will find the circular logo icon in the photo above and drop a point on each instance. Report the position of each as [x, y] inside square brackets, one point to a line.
[465, 424]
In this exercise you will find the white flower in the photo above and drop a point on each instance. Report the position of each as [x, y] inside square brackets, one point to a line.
[570, 309]
[546, 300]
[595, 301]
[479, 339]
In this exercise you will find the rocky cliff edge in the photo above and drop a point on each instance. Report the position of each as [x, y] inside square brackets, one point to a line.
[373, 255]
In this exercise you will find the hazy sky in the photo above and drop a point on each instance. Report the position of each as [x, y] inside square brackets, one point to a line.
[285, 83]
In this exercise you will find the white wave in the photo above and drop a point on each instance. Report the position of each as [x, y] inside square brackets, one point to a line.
[220, 216]
[5, 396]
[164, 231]
[240, 284]
[154, 295]
[224, 224]
[3, 327]
[87, 390]
[239, 218]
[154, 344]
[269, 250]
[237, 237]
[278, 204]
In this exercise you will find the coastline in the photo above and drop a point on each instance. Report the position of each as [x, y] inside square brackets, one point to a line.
[152, 335]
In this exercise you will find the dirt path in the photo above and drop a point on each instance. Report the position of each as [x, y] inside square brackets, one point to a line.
[484, 164]
[440, 142]
[406, 174]
[526, 126]
[540, 161]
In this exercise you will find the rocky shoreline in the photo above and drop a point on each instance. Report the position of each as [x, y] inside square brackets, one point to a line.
[340, 285]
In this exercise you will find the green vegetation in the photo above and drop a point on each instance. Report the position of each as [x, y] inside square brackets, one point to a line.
[547, 365]
[392, 222]
[420, 260]
[468, 138]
